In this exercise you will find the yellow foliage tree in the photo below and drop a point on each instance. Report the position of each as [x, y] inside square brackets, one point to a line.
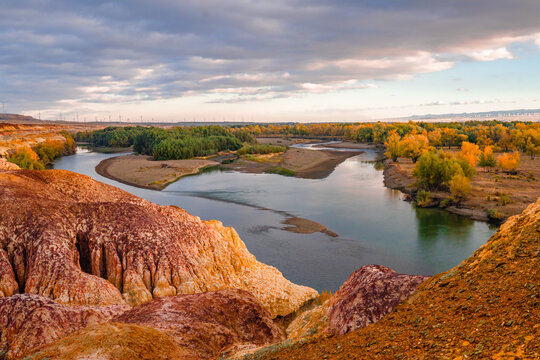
[508, 162]
[413, 146]
[469, 152]
[460, 187]
[393, 146]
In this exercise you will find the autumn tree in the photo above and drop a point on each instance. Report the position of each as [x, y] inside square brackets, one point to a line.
[469, 152]
[26, 158]
[509, 162]
[487, 159]
[393, 146]
[460, 187]
[413, 146]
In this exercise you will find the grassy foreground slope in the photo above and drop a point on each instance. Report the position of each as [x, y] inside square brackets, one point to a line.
[486, 307]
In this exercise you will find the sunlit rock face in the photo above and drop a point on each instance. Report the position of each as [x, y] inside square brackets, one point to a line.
[6, 165]
[80, 242]
[195, 326]
[367, 296]
[28, 321]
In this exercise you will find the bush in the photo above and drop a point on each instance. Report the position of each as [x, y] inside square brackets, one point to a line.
[26, 158]
[460, 187]
[509, 162]
[487, 159]
[261, 149]
[495, 215]
[435, 169]
[423, 198]
[280, 171]
[503, 200]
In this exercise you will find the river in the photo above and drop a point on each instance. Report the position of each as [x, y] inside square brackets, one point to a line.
[375, 226]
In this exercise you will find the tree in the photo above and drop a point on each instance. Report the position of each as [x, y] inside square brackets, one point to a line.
[509, 162]
[413, 146]
[393, 146]
[487, 159]
[460, 187]
[435, 169]
[469, 152]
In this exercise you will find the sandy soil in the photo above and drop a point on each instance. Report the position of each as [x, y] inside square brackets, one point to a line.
[304, 163]
[142, 171]
[347, 145]
[305, 226]
[522, 189]
[285, 142]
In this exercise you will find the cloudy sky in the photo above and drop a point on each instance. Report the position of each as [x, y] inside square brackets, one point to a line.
[278, 60]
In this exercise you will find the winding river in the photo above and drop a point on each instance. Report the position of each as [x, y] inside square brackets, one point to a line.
[375, 226]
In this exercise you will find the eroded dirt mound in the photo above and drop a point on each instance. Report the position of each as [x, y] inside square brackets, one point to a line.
[28, 321]
[81, 242]
[196, 326]
[486, 307]
[204, 324]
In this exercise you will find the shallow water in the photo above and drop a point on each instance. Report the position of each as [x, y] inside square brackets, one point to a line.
[374, 225]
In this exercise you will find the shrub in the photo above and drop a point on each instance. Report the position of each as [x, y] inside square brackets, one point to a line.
[509, 162]
[280, 171]
[445, 203]
[460, 187]
[503, 200]
[495, 215]
[423, 198]
[26, 158]
[323, 296]
[261, 149]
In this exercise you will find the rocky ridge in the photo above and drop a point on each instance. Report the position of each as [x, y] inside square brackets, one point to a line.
[195, 326]
[80, 242]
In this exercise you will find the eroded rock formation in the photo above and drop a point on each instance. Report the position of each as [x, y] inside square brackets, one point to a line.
[28, 321]
[199, 326]
[6, 165]
[366, 297]
[80, 242]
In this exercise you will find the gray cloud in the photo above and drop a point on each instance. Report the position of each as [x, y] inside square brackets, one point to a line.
[122, 51]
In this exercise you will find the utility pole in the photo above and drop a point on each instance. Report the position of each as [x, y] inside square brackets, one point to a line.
[3, 108]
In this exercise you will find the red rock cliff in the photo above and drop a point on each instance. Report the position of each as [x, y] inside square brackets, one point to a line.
[78, 241]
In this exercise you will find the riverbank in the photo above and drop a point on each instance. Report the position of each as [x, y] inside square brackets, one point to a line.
[301, 163]
[492, 192]
[142, 171]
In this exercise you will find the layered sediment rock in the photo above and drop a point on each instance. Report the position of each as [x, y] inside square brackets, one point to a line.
[197, 326]
[367, 296]
[28, 321]
[80, 242]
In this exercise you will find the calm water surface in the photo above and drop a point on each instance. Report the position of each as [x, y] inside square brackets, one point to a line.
[374, 225]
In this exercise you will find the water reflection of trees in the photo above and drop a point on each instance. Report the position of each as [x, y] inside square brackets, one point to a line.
[434, 224]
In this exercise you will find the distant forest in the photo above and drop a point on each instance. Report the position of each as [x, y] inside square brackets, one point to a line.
[186, 142]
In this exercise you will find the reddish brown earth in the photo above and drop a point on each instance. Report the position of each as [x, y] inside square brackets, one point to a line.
[199, 326]
[80, 242]
[487, 307]
[28, 321]
[367, 296]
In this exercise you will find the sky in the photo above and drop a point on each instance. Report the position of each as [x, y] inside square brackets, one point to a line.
[251, 60]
